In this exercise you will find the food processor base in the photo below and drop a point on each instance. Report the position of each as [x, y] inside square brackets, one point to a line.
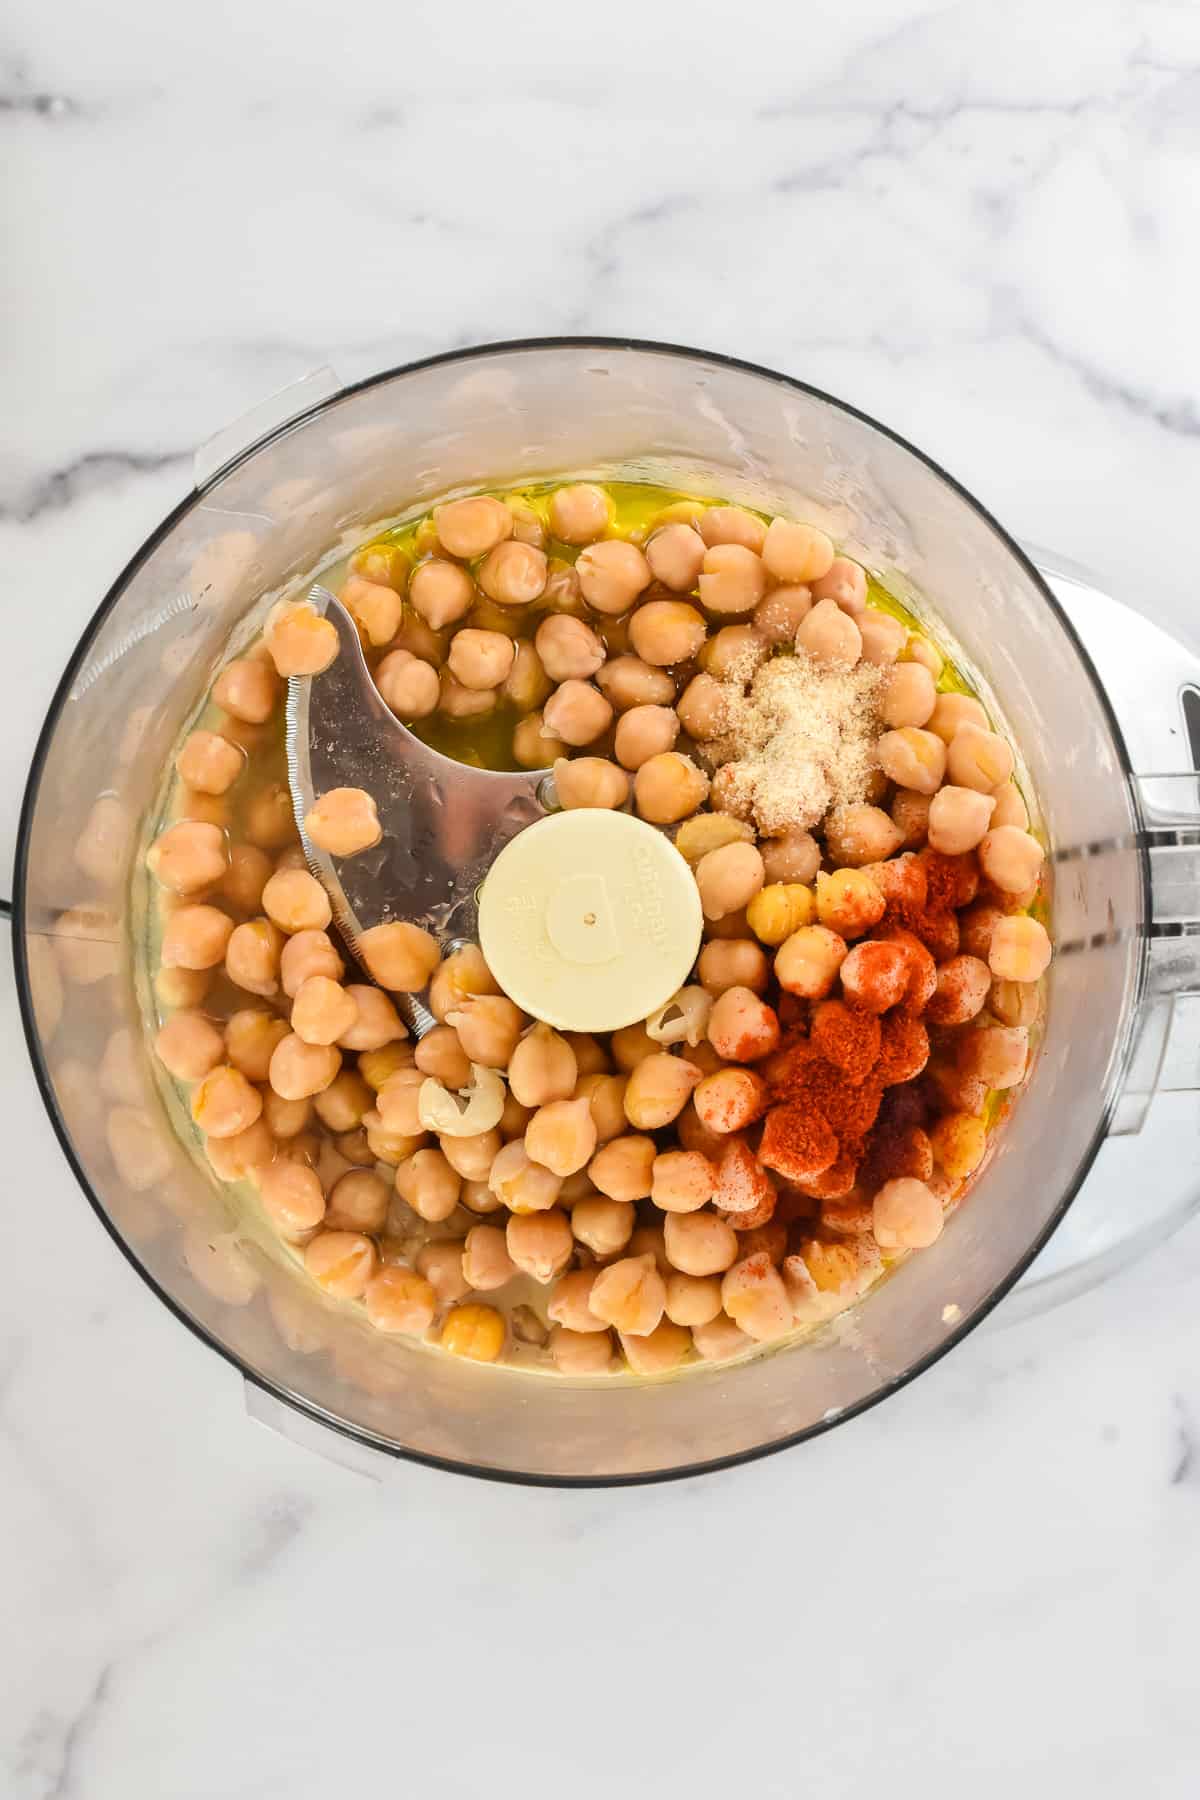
[1143, 1186]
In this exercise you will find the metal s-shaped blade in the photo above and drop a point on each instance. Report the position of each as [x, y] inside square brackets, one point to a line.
[443, 822]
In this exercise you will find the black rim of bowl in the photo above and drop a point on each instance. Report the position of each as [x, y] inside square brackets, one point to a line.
[296, 1402]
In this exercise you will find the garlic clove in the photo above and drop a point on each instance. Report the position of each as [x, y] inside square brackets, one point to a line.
[474, 1109]
[684, 1018]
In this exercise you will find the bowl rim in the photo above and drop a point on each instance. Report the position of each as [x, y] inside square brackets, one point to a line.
[363, 1436]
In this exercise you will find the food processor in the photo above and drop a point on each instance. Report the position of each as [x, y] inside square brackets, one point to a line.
[1102, 704]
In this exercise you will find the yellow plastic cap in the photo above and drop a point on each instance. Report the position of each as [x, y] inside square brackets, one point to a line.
[590, 920]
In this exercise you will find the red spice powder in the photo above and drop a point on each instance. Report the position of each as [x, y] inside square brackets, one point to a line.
[904, 1050]
[894, 1151]
[950, 881]
[849, 1040]
[798, 1142]
[838, 1179]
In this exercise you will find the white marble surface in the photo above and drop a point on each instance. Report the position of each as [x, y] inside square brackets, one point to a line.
[977, 222]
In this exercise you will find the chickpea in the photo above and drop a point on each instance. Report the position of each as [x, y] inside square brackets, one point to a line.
[429, 1184]
[441, 1263]
[963, 983]
[1015, 1002]
[513, 574]
[628, 681]
[400, 956]
[486, 1263]
[577, 713]
[1020, 950]
[248, 688]
[478, 1197]
[409, 686]
[755, 1298]
[611, 576]
[710, 831]
[603, 1226]
[666, 631]
[909, 696]
[883, 637]
[376, 1021]
[472, 1157]
[978, 759]
[1010, 807]
[829, 635]
[527, 683]
[580, 1353]
[623, 1169]
[481, 660]
[742, 1028]
[807, 963]
[590, 1056]
[913, 758]
[703, 707]
[285, 1118]
[375, 607]
[270, 821]
[734, 653]
[580, 513]
[728, 879]
[488, 1027]
[732, 525]
[473, 1331]
[732, 579]
[523, 1185]
[181, 987]
[344, 822]
[194, 937]
[605, 1095]
[462, 975]
[323, 1012]
[630, 1294]
[779, 910]
[675, 554]
[692, 1299]
[569, 1302]
[535, 747]
[188, 1046]
[250, 1041]
[682, 1181]
[342, 1262]
[959, 1144]
[291, 1197]
[390, 1147]
[958, 819]
[733, 963]
[849, 902]
[244, 881]
[442, 593]
[568, 649]
[995, 1054]
[298, 1070]
[295, 901]
[540, 1244]
[398, 1100]
[794, 856]
[1011, 859]
[542, 1067]
[224, 1102]
[877, 976]
[252, 957]
[440, 1054]
[910, 815]
[246, 1155]
[471, 527]
[700, 1244]
[590, 781]
[858, 835]
[720, 1340]
[643, 732]
[400, 1299]
[730, 1100]
[305, 954]
[188, 857]
[907, 1215]
[668, 788]
[562, 1136]
[631, 1045]
[799, 553]
[344, 1104]
[209, 763]
[952, 711]
[845, 582]
[657, 1352]
[780, 614]
[658, 1090]
[385, 563]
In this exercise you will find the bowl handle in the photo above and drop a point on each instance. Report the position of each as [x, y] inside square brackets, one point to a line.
[1165, 1056]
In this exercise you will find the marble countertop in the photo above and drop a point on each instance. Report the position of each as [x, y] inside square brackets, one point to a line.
[978, 223]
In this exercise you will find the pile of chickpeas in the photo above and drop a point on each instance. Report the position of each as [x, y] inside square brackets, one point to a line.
[597, 1200]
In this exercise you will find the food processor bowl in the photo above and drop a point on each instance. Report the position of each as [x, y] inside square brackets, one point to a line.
[271, 515]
